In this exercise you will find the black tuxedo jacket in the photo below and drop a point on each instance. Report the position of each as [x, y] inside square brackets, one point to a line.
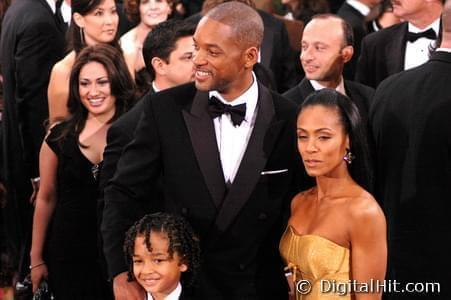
[359, 28]
[412, 130]
[240, 226]
[382, 54]
[32, 41]
[361, 95]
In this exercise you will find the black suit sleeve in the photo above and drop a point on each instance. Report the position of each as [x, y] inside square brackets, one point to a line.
[137, 172]
[37, 51]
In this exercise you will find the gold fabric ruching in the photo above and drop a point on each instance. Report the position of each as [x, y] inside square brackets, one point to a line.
[323, 263]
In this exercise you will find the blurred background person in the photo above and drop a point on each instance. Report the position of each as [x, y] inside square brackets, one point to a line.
[93, 22]
[326, 48]
[32, 40]
[303, 10]
[101, 89]
[384, 17]
[402, 46]
[146, 14]
[356, 13]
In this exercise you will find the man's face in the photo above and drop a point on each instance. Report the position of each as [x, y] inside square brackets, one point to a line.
[180, 67]
[408, 9]
[220, 63]
[322, 50]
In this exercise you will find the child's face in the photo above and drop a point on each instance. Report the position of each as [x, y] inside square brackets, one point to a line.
[154, 270]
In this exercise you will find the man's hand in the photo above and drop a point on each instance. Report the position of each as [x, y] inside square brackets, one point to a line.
[127, 290]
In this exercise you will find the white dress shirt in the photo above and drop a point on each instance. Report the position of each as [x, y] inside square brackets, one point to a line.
[232, 140]
[444, 50]
[174, 295]
[362, 8]
[52, 5]
[417, 53]
[340, 87]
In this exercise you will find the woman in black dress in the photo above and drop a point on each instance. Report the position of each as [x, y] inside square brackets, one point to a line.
[64, 245]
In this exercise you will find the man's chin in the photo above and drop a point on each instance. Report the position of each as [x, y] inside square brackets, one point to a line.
[202, 86]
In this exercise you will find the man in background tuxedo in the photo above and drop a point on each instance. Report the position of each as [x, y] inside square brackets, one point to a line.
[412, 131]
[355, 12]
[225, 150]
[167, 52]
[401, 46]
[32, 41]
[326, 47]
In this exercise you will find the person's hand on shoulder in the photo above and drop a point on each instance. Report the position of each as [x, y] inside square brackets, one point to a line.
[127, 290]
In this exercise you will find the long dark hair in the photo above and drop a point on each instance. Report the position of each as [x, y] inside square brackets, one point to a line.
[75, 36]
[121, 84]
[361, 167]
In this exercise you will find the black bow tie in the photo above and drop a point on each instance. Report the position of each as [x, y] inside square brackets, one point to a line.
[429, 34]
[237, 112]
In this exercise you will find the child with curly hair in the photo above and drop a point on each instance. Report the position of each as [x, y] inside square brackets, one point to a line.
[163, 254]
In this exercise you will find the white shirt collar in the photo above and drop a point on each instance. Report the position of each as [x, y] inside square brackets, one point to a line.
[174, 295]
[52, 5]
[340, 87]
[362, 8]
[154, 86]
[250, 97]
[434, 25]
[444, 49]
[66, 12]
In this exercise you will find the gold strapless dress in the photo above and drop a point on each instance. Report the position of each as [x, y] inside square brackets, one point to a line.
[323, 263]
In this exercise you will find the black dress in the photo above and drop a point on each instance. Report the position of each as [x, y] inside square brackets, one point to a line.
[72, 251]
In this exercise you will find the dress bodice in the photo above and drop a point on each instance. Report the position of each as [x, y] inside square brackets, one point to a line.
[318, 260]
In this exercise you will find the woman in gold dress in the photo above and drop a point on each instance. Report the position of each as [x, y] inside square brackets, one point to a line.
[335, 244]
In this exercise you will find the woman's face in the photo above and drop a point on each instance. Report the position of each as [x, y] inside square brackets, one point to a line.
[100, 25]
[322, 141]
[153, 12]
[95, 90]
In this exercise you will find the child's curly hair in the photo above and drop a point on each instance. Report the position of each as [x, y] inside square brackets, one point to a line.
[182, 241]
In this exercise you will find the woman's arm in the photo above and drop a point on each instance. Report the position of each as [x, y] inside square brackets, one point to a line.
[45, 205]
[368, 246]
[58, 92]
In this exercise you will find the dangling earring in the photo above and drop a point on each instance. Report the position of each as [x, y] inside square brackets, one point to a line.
[349, 157]
[82, 36]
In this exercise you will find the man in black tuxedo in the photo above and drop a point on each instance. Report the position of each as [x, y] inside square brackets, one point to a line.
[355, 12]
[401, 46]
[412, 131]
[224, 148]
[326, 46]
[32, 41]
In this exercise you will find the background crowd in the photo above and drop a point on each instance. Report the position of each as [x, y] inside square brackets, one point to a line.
[316, 124]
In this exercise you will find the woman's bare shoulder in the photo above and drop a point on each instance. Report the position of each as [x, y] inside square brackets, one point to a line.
[64, 66]
[363, 208]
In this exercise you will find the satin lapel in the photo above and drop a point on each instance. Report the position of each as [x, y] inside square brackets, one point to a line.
[306, 88]
[203, 138]
[396, 50]
[260, 144]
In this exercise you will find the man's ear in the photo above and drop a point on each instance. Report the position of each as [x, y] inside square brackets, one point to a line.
[79, 20]
[250, 57]
[158, 65]
[346, 53]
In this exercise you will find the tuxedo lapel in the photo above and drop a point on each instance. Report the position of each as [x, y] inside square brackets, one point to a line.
[396, 50]
[305, 89]
[261, 142]
[203, 138]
